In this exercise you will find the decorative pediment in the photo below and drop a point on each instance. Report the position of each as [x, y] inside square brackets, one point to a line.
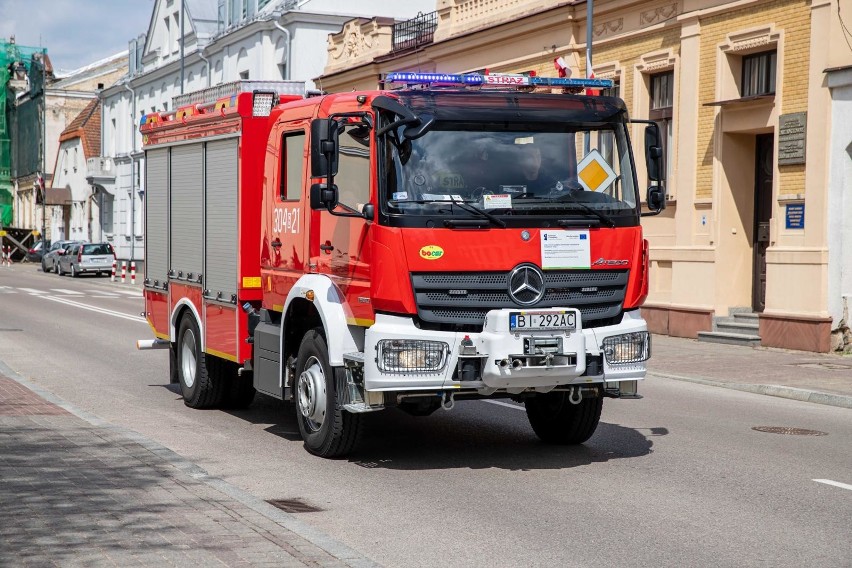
[611, 70]
[657, 61]
[754, 39]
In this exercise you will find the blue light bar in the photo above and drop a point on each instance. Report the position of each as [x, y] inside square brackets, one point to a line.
[495, 80]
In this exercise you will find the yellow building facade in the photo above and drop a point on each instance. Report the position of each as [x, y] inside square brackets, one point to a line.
[743, 91]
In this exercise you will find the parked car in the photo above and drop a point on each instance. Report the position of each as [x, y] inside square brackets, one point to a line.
[81, 258]
[49, 262]
[35, 253]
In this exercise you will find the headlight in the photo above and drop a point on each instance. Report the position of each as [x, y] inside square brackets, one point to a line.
[627, 348]
[412, 356]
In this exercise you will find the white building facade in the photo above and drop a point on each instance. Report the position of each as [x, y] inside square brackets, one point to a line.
[224, 41]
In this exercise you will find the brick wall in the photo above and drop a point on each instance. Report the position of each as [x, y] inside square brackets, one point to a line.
[793, 18]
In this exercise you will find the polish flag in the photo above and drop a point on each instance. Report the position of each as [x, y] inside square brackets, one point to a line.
[593, 92]
[561, 67]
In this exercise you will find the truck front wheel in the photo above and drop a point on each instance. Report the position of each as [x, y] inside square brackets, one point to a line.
[327, 429]
[556, 421]
[200, 387]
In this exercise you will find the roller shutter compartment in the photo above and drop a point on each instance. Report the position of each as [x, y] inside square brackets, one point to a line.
[220, 277]
[187, 212]
[157, 217]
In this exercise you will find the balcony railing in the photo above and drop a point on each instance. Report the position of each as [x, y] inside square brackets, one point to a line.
[100, 167]
[415, 32]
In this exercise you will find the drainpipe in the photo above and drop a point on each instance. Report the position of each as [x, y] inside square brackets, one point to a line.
[287, 43]
[132, 173]
[206, 64]
[589, 17]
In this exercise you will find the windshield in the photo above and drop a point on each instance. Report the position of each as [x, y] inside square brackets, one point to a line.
[511, 169]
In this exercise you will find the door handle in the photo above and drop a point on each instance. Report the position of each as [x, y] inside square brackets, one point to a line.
[276, 243]
[327, 247]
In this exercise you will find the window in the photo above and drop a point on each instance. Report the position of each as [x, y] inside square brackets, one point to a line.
[759, 74]
[662, 101]
[353, 172]
[169, 36]
[292, 166]
[244, 75]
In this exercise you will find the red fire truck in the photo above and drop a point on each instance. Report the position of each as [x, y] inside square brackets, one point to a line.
[460, 237]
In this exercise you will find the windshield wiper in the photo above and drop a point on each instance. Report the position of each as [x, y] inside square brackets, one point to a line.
[601, 217]
[464, 205]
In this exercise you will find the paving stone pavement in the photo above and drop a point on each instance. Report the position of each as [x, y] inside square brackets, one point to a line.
[74, 493]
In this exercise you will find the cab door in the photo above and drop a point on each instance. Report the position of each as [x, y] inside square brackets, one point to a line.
[284, 248]
[342, 246]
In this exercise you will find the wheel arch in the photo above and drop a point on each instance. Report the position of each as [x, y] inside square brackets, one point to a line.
[181, 307]
[331, 311]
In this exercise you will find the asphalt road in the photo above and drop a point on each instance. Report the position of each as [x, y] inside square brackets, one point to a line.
[678, 478]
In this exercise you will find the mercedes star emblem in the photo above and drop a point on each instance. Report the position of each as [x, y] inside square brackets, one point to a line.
[526, 284]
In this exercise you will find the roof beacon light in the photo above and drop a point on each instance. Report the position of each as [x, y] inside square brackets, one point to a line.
[262, 102]
[495, 80]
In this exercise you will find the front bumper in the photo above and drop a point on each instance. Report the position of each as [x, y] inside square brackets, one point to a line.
[494, 347]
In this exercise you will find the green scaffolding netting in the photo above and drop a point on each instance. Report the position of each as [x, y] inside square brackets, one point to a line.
[10, 54]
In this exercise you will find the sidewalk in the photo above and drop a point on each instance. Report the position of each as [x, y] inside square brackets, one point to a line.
[78, 492]
[799, 375]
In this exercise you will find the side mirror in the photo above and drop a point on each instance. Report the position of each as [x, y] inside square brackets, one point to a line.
[656, 198]
[654, 153]
[324, 147]
[323, 197]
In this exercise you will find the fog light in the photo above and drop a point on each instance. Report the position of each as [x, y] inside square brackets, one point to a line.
[412, 356]
[627, 348]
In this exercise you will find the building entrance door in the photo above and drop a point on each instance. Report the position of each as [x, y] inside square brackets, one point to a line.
[762, 215]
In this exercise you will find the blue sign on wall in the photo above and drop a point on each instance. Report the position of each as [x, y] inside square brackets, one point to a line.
[795, 216]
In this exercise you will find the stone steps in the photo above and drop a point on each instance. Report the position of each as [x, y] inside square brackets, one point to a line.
[740, 328]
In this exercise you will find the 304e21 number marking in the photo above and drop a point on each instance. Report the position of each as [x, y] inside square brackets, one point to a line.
[286, 220]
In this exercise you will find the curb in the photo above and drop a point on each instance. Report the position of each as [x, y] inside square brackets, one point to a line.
[792, 393]
[287, 521]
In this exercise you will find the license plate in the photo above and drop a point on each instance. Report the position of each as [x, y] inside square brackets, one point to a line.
[542, 321]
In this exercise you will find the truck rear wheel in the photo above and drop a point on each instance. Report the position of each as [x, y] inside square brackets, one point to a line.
[556, 421]
[327, 429]
[200, 387]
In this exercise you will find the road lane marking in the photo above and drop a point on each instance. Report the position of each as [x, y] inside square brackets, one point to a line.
[130, 292]
[32, 291]
[101, 292]
[66, 292]
[834, 483]
[501, 403]
[95, 309]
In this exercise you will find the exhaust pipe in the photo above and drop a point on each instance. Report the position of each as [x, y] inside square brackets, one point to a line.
[517, 364]
[504, 363]
[144, 344]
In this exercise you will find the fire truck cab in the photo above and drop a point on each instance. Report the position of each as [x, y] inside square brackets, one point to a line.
[401, 248]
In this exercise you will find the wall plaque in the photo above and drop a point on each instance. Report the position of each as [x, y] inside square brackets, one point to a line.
[792, 132]
[794, 216]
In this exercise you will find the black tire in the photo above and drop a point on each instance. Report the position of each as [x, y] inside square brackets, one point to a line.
[43, 266]
[200, 387]
[337, 433]
[556, 421]
[57, 268]
[73, 272]
[173, 366]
